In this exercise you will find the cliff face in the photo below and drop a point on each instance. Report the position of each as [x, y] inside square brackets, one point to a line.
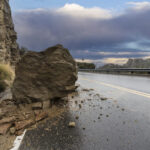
[8, 47]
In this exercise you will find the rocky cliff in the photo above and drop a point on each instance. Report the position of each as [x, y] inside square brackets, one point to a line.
[8, 47]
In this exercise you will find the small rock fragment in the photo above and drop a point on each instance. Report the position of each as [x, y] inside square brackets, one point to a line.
[65, 98]
[80, 106]
[46, 104]
[77, 85]
[20, 132]
[12, 130]
[91, 89]
[4, 128]
[86, 90]
[37, 105]
[41, 116]
[123, 109]
[103, 98]
[7, 120]
[1, 113]
[76, 102]
[77, 117]
[37, 112]
[97, 95]
[24, 124]
[47, 129]
[71, 124]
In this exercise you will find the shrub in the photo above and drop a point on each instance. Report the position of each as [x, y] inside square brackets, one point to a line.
[82, 65]
[6, 76]
[23, 50]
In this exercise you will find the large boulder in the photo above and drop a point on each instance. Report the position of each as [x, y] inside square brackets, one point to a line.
[45, 75]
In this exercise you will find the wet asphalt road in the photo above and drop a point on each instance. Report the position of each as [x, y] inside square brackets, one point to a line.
[122, 122]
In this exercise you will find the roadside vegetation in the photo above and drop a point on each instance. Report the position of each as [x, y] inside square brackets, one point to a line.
[85, 65]
[6, 76]
[23, 51]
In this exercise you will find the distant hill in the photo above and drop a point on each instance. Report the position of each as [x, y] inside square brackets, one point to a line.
[138, 63]
[82, 65]
[131, 63]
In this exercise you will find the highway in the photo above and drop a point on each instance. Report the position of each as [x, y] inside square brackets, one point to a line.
[122, 122]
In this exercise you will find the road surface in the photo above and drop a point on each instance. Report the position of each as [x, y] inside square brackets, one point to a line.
[122, 122]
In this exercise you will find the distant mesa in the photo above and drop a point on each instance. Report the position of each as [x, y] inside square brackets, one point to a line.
[131, 63]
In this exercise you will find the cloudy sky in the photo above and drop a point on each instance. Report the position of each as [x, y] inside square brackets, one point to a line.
[101, 31]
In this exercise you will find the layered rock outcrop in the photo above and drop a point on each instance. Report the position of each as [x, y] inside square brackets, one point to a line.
[8, 47]
[45, 75]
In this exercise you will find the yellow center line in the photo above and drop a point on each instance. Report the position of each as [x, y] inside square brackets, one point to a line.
[147, 95]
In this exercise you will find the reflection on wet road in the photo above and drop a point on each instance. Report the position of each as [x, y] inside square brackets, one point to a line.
[120, 122]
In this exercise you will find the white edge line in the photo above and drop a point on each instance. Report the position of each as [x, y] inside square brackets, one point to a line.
[18, 141]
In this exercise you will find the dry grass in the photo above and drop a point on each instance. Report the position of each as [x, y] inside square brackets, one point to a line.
[6, 76]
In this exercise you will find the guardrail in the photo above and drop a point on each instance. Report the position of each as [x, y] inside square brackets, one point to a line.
[119, 70]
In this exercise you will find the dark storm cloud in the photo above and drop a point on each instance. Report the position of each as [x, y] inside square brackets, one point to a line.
[98, 55]
[40, 29]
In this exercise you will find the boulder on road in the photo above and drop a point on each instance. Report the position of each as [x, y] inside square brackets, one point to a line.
[41, 76]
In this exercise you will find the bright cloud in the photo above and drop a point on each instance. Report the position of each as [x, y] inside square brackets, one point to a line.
[119, 61]
[103, 61]
[76, 10]
[140, 5]
[85, 60]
